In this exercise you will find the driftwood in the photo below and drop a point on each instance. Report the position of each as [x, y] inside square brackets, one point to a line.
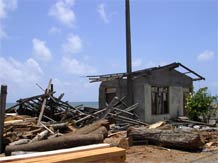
[65, 141]
[165, 138]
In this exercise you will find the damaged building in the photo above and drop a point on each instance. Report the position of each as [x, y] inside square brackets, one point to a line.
[159, 91]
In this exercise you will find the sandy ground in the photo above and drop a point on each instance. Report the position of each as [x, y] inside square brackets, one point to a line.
[154, 154]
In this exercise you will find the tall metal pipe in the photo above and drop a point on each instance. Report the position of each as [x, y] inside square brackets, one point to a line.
[128, 54]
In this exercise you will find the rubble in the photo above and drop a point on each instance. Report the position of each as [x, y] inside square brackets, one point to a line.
[45, 122]
[37, 123]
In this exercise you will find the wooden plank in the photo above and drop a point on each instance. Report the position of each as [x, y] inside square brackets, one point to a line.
[54, 152]
[110, 107]
[44, 103]
[94, 155]
[2, 113]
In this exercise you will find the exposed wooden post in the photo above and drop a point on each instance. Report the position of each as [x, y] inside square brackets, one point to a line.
[44, 103]
[52, 104]
[2, 113]
[128, 55]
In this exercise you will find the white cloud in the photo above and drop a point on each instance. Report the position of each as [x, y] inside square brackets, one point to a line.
[40, 50]
[137, 62]
[5, 7]
[18, 72]
[63, 12]
[205, 56]
[74, 66]
[72, 45]
[102, 12]
[54, 30]
[20, 77]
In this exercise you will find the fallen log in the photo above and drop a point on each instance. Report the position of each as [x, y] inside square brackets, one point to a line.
[92, 127]
[42, 135]
[101, 130]
[118, 139]
[19, 142]
[165, 138]
[65, 141]
[58, 126]
[117, 142]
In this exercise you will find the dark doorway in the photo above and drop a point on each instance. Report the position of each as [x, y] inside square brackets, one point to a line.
[110, 93]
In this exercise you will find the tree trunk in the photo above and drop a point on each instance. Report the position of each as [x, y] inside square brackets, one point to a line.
[65, 141]
[92, 127]
[165, 138]
[100, 131]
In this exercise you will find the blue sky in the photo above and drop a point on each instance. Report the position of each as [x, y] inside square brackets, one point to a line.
[68, 39]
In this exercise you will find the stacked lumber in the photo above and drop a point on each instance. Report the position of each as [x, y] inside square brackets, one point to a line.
[93, 153]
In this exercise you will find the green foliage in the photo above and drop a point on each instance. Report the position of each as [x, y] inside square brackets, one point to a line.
[200, 104]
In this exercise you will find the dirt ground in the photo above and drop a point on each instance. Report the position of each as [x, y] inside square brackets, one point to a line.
[154, 154]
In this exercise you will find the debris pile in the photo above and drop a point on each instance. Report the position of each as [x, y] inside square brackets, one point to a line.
[49, 108]
[45, 122]
[38, 123]
[90, 134]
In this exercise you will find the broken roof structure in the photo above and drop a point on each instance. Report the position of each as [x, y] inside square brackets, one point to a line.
[136, 74]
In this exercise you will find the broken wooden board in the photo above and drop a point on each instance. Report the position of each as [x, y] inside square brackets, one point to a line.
[110, 154]
[157, 124]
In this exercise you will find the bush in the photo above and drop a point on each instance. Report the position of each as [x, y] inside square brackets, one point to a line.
[200, 104]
